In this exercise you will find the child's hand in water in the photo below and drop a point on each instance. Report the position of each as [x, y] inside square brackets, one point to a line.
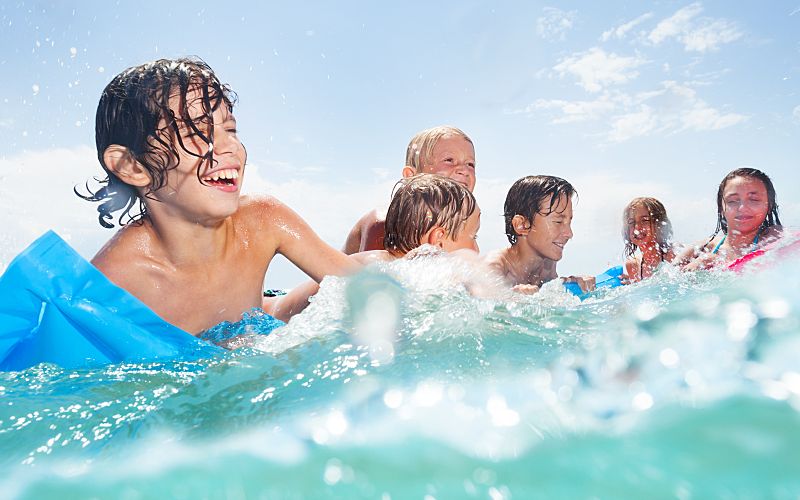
[587, 283]
[526, 289]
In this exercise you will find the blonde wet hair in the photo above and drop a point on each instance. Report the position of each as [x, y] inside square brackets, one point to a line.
[420, 149]
[659, 224]
[421, 203]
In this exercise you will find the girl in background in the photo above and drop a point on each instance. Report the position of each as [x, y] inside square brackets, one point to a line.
[747, 218]
[646, 229]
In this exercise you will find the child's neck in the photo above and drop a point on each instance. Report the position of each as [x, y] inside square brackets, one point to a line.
[525, 266]
[187, 243]
[739, 241]
[651, 253]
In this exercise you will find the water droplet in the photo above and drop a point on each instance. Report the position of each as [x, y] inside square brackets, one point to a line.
[333, 472]
[669, 357]
[393, 398]
[642, 401]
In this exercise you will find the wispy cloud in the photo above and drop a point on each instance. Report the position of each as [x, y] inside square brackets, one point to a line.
[671, 108]
[6, 122]
[710, 36]
[597, 68]
[675, 25]
[575, 111]
[796, 113]
[696, 34]
[622, 30]
[635, 124]
[555, 23]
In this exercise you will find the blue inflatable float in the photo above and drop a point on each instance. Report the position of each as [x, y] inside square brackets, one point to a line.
[607, 279]
[56, 307]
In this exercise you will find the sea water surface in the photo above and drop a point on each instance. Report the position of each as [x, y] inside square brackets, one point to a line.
[417, 379]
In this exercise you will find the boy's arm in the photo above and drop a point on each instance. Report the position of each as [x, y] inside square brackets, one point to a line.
[295, 240]
[294, 302]
[367, 234]
[353, 242]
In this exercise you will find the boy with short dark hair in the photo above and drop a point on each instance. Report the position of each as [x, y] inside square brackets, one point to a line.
[538, 217]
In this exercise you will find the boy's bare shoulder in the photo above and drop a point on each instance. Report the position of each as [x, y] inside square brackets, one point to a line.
[367, 233]
[127, 255]
[263, 212]
[259, 204]
[497, 261]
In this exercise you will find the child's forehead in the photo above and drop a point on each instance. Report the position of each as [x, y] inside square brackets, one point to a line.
[747, 184]
[638, 210]
[551, 205]
[197, 99]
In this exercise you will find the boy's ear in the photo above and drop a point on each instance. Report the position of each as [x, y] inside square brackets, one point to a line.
[409, 171]
[119, 160]
[435, 236]
[521, 225]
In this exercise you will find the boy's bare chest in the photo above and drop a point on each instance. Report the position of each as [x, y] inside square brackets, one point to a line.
[198, 298]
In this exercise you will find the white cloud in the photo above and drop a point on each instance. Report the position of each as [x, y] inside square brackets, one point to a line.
[575, 111]
[796, 113]
[555, 23]
[621, 31]
[703, 117]
[46, 200]
[634, 124]
[672, 108]
[696, 34]
[597, 68]
[711, 36]
[675, 25]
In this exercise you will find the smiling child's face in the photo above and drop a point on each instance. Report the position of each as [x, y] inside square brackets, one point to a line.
[640, 226]
[745, 203]
[218, 193]
[550, 233]
[452, 157]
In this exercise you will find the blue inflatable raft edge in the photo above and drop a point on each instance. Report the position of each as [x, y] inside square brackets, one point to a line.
[610, 278]
[56, 307]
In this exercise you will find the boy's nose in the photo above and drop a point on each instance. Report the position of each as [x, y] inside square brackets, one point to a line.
[226, 142]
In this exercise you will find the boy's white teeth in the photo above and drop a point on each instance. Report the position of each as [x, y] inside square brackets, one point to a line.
[228, 173]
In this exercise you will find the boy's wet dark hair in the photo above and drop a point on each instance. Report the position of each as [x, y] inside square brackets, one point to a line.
[527, 195]
[770, 220]
[134, 112]
[419, 204]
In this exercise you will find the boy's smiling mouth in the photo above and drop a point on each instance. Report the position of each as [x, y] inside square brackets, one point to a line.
[224, 178]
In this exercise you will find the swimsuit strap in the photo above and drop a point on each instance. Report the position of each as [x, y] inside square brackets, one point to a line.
[716, 248]
[755, 243]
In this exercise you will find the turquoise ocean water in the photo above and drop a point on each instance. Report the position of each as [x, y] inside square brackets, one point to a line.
[402, 382]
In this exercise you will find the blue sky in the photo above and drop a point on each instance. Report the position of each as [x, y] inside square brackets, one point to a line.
[621, 98]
